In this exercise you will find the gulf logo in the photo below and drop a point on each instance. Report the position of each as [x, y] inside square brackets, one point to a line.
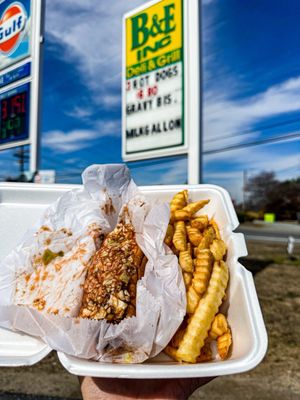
[12, 25]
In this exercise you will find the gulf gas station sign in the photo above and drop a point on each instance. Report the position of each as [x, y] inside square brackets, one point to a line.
[20, 39]
[14, 31]
[153, 85]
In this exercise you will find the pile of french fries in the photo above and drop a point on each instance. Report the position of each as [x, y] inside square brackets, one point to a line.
[196, 240]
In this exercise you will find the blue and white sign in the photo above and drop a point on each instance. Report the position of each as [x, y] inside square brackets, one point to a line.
[15, 75]
[15, 21]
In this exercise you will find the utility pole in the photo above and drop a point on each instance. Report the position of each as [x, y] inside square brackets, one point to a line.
[245, 179]
[22, 155]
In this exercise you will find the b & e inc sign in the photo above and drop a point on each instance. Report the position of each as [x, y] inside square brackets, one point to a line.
[153, 96]
[161, 82]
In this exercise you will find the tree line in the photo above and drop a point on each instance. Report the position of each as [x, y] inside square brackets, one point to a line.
[266, 194]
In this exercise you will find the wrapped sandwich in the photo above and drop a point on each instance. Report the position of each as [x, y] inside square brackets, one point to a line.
[110, 287]
[93, 278]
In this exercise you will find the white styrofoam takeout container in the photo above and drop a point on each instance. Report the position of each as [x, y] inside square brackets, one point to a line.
[20, 207]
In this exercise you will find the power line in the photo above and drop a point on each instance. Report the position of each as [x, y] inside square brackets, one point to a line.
[254, 143]
[251, 130]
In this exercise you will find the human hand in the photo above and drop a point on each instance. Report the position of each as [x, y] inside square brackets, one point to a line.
[154, 389]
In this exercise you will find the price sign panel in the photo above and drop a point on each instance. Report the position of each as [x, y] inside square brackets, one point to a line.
[14, 114]
[153, 81]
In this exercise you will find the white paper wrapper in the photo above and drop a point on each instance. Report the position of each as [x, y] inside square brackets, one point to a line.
[69, 225]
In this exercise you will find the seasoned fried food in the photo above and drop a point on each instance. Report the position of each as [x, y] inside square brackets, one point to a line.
[223, 344]
[200, 222]
[187, 277]
[178, 202]
[176, 339]
[192, 299]
[218, 249]
[201, 320]
[179, 238]
[185, 259]
[206, 353]
[203, 267]
[213, 223]
[175, 251]
[194, 207]
[219, 326]
[208, 237]
[110, 285]
[201, 251]
[171, 352]
[169, 235]
[181, 215]
[194, 235]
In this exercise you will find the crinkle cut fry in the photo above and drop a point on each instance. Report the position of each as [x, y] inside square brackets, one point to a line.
[200, 222]
[192, 299]
[194, 235]
[187, 277]
[179, 238]
[169, 235]
[206, 353]
[213, 223]
[178, 202]
[218, 249]
[195, 206]
[203, 317]
[203, 268]
[219, 326]
[207, 238]
[185, 259]
[223, 343]
[171, 352]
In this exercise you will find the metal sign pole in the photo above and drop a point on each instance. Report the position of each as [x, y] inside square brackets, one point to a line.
[35, 99]
[193, 84]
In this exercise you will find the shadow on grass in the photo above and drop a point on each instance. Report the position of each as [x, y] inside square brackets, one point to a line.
[255, 265]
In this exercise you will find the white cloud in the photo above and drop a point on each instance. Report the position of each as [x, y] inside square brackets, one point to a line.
[79, 112]
[90, 35]
[111, 100]
[65, 142]
[223, 175]
[223, 116]
[108, 128]
[176, 174]
[73, 161]
[77, 139]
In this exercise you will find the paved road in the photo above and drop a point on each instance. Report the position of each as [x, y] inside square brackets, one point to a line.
[271, 233]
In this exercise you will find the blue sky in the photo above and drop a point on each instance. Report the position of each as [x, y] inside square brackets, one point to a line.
[251, 80]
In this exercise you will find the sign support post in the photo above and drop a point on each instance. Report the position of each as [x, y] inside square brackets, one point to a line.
[35, 102]
[193, 101]
[161, 83]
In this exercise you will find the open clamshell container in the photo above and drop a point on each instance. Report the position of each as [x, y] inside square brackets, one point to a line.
[20, 207]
